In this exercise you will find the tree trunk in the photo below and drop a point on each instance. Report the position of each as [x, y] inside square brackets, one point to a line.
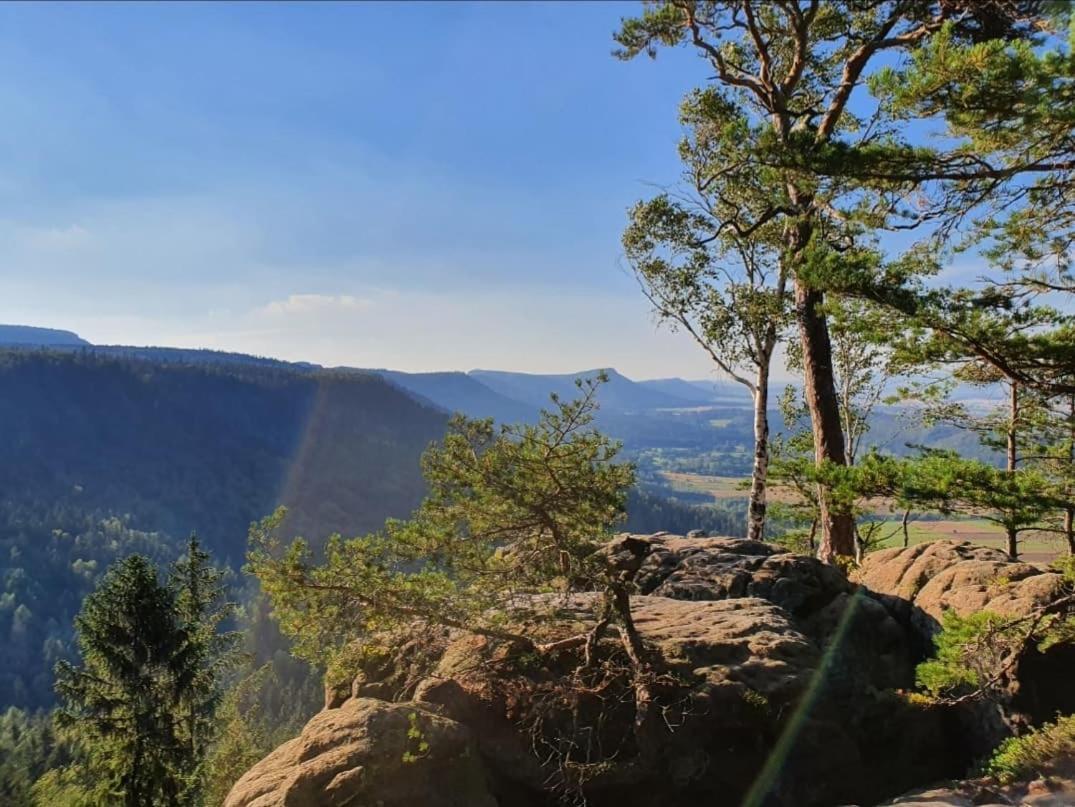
[837, 529]
[906, 530]
[1069, 511]
[1013, 542]
[1013, 459]
[1013, 424]
[1069, 528]
[760, 471]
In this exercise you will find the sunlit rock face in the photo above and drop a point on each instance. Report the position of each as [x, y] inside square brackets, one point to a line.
[779, 680]
[920, 583]
[925, 580]
[370, 752]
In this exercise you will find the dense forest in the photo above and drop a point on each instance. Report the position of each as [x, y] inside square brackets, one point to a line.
[112, 453]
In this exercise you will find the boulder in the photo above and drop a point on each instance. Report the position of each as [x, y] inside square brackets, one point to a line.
[369, 753]
[769, 671]
[924, 581]
[920, 583]
[748, 674]
[871, 648]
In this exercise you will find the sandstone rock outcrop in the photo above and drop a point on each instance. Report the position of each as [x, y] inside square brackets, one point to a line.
[778, 674]
[925, 580]
[919, 583]
[370, 752]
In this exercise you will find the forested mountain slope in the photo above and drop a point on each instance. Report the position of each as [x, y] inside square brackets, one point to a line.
[203, 447]
[101, 456]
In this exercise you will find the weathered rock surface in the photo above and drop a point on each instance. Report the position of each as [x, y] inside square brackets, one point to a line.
[1056, 788]
[369, 753]
[754, 645]
[872, 650]
[960, 576]
[920, 583]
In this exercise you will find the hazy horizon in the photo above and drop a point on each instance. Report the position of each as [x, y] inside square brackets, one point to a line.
[244, 178]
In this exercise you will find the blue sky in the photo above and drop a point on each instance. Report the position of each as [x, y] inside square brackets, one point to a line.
[415, 186]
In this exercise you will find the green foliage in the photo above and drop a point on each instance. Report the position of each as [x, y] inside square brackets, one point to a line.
[250, 722]
[970, 651]
[201, 607]
[660, 510]
[72, 786]
[788, 171]
[110, 454]
[121, 706]
[977, 654]
[140, 708]
[944, 481]
[510, 510]
[418, 746]
[1028, 756]
[29, 746]
[51, 557]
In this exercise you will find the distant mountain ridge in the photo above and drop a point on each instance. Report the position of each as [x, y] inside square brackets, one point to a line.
[701, 392]
[31, 335]
[459, 392]
[619, 394]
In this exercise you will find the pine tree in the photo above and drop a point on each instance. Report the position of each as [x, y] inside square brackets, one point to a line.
[834, 165]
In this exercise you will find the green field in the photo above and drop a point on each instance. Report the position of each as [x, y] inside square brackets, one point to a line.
[1033, 547]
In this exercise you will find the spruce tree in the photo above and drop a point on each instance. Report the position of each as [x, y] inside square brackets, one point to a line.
[120, 705]
[202, 608]
[139, 709]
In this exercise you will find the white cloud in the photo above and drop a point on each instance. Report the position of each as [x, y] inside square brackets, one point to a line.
[311, 303]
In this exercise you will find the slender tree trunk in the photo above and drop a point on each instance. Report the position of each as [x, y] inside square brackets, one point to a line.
[837, 529]
[1013, 425]
[906, 530]
[1069, 511]
[1069, 528]
[1013, 459]
[760, 471]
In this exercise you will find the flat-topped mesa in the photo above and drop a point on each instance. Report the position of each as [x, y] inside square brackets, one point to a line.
[746, 642]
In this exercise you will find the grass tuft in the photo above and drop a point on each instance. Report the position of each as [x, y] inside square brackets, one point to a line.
[1026, 756]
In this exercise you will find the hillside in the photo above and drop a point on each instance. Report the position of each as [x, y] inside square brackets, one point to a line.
[701, 392]
[459, 392]
[620, 394]
[29, 335]
[103, 456]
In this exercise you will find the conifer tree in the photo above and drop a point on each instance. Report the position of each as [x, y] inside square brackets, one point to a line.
[120, 705]
[202, 609]
[139, 709]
